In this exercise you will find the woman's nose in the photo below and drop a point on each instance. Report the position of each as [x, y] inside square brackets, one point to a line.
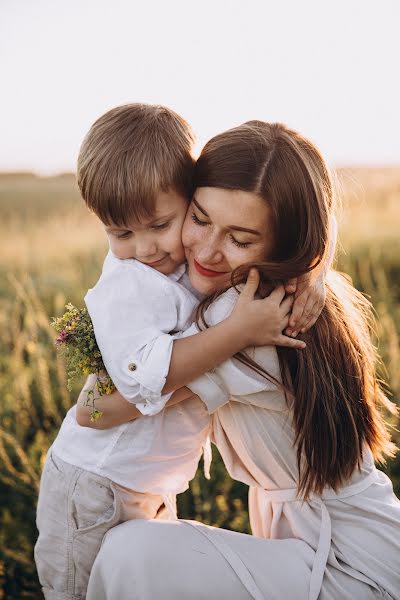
[209, 252]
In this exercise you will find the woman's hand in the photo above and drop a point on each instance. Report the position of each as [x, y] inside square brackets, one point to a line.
[309, 299]
[263, 321]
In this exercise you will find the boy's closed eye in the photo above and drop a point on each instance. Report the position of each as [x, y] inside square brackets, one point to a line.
[127, 234]
[124, 236]
[161, 225]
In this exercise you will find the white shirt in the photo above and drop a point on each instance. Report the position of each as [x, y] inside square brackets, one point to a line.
[133, 309]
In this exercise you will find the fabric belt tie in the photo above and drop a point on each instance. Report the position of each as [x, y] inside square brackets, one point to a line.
[231, 557]
[170, 505]
[325, 535]
[207, 457]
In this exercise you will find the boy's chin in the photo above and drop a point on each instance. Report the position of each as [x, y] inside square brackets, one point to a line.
[169, 267]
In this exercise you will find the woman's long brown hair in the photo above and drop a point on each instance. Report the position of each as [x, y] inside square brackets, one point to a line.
[332, 385]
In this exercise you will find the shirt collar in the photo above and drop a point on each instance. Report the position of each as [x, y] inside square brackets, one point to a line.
[176, 275]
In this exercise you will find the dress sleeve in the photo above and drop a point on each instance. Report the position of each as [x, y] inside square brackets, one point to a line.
[232, 380]
[133, 312]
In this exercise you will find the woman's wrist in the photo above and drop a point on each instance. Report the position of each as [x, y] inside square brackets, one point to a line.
[236, 331]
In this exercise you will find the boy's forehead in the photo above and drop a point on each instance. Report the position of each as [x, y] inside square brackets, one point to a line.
[169, 200]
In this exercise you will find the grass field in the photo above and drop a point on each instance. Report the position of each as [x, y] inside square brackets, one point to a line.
[51, 251]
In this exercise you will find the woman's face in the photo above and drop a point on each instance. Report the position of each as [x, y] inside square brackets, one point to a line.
[224, 229]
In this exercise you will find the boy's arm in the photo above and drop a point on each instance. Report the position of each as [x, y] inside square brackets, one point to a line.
[190, 359]
[116, 410]
[132, 312]
[251, 323]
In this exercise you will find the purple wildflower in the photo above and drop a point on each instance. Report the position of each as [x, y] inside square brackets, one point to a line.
[61, 338]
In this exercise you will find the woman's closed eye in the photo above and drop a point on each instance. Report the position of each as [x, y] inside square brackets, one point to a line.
[239, 244]
[201, 223]
[198, 221]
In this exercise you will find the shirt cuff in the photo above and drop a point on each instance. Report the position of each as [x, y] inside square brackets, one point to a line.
[143, 380]
[211, 390]
[154, 406]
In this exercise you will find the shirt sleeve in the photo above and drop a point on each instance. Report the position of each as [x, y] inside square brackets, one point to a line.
[133, 311]
[233, 380]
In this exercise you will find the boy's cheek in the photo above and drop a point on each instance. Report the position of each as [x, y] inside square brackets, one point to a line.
[113, 247]
[178, 252]
[119, 250]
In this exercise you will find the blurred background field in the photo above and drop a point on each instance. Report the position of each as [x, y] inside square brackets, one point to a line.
[51, 251]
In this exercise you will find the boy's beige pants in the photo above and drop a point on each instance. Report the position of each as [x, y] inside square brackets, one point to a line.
[75, 509]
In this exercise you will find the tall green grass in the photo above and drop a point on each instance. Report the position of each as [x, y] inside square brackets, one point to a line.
[51, 251]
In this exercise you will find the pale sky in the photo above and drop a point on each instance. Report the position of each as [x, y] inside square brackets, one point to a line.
[328, 68]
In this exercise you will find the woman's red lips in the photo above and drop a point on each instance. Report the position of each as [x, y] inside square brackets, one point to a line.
[207, 272]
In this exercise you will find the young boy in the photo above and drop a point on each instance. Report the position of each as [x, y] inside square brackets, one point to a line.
[134, 171]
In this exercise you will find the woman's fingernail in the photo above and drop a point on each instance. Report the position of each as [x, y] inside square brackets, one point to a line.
[295, 333]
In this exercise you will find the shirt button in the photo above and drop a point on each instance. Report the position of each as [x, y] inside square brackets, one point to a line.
[132, 367]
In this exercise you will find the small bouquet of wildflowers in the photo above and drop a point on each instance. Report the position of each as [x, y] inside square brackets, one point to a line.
[78, 344]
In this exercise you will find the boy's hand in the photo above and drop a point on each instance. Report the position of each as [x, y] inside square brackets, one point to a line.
[310, 294]
[263, 321]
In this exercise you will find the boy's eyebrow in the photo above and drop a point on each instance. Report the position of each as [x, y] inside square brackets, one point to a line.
[234, 227]
[162, 217]
[113, 228]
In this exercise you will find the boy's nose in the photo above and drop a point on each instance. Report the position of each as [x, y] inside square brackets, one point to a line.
[145, 248]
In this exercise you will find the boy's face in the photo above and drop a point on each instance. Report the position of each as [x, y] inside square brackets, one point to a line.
[156, 242]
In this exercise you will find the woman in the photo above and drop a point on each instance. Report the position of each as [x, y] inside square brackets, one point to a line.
[301, 429]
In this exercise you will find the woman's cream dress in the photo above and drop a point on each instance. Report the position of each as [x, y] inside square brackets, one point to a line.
[343, 545]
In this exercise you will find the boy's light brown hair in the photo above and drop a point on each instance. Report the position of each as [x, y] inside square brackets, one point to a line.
[131, 154]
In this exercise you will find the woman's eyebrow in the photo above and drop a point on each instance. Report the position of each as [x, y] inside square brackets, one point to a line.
[234, 227]
[199, 207]
[253, 231]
